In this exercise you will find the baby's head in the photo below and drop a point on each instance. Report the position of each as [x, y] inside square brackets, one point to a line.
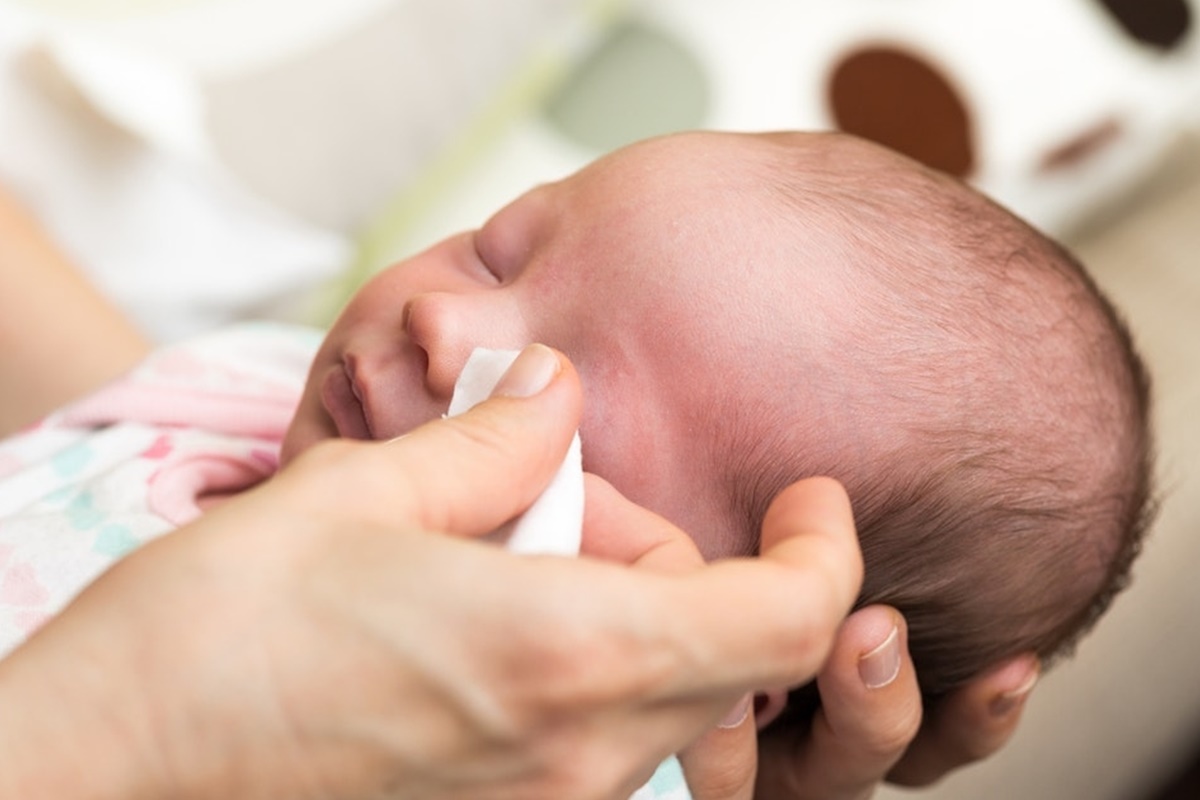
[748, 310]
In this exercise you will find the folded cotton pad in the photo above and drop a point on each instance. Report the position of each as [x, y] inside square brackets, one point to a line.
[554, 523]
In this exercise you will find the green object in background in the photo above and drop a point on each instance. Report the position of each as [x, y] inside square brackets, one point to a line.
[638, 82]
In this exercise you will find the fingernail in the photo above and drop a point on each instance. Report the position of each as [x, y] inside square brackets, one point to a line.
[1004, 704]
[880, 667]
[532, 371]
[738, 714]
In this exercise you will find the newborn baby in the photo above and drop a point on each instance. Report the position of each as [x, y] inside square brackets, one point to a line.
[746, 310]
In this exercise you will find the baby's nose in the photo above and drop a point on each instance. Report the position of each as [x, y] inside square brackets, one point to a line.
[432, 322]
[448, 326]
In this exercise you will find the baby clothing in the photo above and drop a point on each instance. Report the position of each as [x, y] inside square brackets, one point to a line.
[137, 458]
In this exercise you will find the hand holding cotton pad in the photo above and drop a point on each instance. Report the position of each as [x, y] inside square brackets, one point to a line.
[553, 525]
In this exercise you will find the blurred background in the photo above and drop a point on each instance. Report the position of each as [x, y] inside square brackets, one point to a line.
[210, 160]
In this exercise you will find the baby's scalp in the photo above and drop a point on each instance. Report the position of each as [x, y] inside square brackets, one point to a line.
[990, 413]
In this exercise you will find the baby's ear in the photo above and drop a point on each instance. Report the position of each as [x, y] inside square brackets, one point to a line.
[768, 706]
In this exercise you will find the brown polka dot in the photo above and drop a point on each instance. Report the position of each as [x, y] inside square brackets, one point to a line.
[1158, 23]
[899, 100]
[1082, 147]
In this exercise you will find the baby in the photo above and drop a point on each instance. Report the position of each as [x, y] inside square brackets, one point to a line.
[744, 310]
[748, 310]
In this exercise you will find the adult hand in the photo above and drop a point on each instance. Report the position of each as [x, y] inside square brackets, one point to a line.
[723, 763]
[313, 638]
[869, 727]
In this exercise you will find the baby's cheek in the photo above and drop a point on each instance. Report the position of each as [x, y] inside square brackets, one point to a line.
[648, 467]
[621, 446]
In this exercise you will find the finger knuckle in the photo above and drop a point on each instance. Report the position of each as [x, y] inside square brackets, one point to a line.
[724, 778]
[345, 468]
[560, 671]
[587, 770]
[811, 635]
[480, 436]
[584, 669]
[324, 456]
[888, 736]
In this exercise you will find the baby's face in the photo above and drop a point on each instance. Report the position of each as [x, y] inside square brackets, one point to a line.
[648, 269]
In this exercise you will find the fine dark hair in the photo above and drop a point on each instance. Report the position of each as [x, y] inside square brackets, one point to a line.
[1002, 478]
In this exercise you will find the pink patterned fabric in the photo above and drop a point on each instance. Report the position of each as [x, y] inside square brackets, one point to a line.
[196, 421]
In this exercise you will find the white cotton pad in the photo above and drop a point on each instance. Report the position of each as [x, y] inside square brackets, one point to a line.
[553, 525]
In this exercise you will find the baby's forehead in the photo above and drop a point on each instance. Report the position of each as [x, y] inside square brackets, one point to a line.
[699, 158]
[786, 188]
[697, 225]
[699, 185]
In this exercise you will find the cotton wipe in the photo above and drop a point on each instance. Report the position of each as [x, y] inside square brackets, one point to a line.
[553, 525]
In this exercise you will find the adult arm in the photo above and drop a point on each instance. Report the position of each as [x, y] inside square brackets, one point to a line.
[58, 336]
[292, 643]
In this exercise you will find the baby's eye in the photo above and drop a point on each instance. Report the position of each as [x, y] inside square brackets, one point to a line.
[508, 240]
[484, 261]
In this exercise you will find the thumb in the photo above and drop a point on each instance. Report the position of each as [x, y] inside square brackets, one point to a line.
[466, 475]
